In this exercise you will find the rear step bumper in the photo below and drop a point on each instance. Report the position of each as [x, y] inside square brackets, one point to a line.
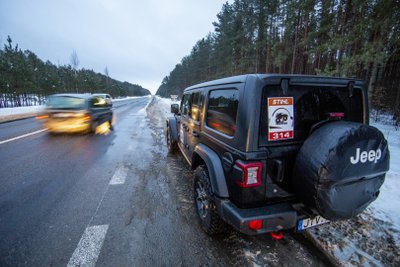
[276, 217]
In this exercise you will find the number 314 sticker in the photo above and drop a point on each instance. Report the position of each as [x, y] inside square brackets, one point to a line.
[280, 118]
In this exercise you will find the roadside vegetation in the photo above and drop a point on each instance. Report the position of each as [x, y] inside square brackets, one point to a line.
[25, 80]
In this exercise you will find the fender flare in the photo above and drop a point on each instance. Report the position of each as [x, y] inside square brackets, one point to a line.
[172, 125]
[215, 170]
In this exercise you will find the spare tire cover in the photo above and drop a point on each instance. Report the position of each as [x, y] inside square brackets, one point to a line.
[340, 169]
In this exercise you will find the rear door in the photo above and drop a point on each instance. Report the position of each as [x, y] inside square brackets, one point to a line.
[100, 109]
[194, 121]
[183, 125]
[304, 107]
[287, 120]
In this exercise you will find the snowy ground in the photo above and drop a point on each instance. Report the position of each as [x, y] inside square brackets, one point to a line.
[370, 239]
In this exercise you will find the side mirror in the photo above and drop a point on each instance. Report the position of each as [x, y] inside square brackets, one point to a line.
[175, 108]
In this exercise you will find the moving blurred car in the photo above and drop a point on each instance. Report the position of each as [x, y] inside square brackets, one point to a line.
[68, 113]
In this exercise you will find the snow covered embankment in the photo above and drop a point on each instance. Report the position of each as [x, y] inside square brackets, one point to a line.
[10, 114]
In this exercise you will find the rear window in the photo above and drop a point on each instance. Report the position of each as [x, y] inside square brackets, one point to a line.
[98, 102]
[311, 105]
[222, 110]
[65, 102]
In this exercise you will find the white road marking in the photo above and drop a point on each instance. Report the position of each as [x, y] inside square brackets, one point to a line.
[119, 176]
[21, 136]
[88, 249]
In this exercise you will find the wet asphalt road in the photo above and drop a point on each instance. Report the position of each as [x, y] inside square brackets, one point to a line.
[115, 200]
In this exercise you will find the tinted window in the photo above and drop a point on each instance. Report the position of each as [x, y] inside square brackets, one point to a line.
[98, 102]
[185, 104]
[222, 110]
[313, 104]
[195, 106]
[66, 102]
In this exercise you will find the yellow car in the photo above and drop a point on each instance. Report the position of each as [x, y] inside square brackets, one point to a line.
[68, 113]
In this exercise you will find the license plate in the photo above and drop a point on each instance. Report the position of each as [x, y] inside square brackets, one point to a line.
[311, 222]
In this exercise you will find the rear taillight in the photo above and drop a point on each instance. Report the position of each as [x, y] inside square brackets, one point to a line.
[338, 115]
[256, 225]
[41, 117]
[276, 235]
[86, 117]
[251, 174]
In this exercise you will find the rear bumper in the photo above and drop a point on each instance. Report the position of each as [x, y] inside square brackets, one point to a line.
[67, 126]
[276, 217]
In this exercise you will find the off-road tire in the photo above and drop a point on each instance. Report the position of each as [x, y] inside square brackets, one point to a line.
[205, 206]
[171, 144]
[330, 175]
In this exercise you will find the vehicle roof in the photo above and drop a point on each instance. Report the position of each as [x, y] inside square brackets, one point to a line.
[101, 94]
[73, 95]
[243, 78]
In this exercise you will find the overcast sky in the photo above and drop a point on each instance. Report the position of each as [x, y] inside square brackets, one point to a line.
[140, 41]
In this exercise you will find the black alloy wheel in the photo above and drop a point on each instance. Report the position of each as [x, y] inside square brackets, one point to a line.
[205, 206]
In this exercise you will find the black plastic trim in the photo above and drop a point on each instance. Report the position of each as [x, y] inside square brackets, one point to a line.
[276, 217]
[215, 170]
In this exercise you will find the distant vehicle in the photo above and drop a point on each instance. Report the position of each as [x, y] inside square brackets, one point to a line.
[278, 152]
[174, 97]
[68, 113]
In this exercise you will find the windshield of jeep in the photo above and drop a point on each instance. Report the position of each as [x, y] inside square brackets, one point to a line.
[306, 106]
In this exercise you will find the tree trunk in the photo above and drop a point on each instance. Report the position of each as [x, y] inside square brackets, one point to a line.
[268, 49]
[305, 48]
[396, 109]
[260, 64]
[295, 42]
[372, 81]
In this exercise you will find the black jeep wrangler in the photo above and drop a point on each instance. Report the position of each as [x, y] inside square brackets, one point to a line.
[276, 152]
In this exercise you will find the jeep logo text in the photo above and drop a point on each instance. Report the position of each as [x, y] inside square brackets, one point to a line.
[364, 156]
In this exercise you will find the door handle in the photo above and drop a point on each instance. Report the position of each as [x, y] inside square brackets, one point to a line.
[195, 134]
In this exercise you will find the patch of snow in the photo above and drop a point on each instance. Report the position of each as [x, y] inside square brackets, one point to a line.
[165, 104]
[20, 110]
[128, 98]
[253, 257]
[386, 207]
[143, 110]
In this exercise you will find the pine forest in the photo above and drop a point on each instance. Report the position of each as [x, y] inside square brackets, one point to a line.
[346, 38]
[26, 80]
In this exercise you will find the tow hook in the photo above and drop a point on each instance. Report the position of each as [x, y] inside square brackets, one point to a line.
[276, 235]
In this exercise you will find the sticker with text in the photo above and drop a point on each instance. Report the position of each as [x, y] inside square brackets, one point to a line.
[280, 118]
